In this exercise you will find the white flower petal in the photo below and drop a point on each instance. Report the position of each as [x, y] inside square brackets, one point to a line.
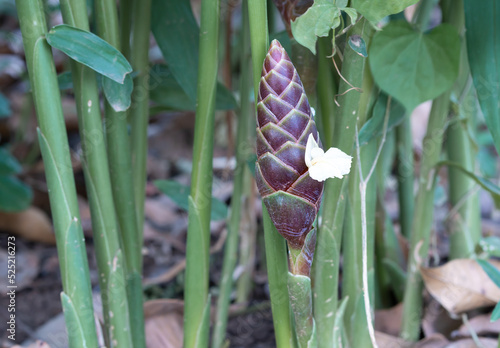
[332, 164]
[316, 152]
[342, 160]
[323, 170]
[311, 144]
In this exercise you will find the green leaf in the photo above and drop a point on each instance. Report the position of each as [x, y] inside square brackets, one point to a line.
[90, 50]
[338, 327]
[180, 195]
[375, 10]
[495, 315]
[168, 94]
[8, 163]
[5, 110]
[317, 21]
[493, 189]
[65, 80]
[375, 125]
[76, 336]
[483, 47]
[398, 276]
[177, 34]
[14, 194]
[117, 94]
[357, 43]
[492, 272]
[414, 67]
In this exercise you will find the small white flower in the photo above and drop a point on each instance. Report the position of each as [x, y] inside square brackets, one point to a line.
[323, 165]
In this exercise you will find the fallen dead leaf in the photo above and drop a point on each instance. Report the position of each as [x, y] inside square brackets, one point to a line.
[31, 224]
[437, 320]
[469, 343]
[164, 323]
[481, 325]
[388, 341]
[389, 320]
[461, 285]
[434, 341]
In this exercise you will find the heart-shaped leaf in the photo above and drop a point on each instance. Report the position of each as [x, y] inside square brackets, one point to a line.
[375, 10]
[317, 21]
[412, 66]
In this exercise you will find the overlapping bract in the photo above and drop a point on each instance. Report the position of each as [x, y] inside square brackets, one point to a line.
[284, 123]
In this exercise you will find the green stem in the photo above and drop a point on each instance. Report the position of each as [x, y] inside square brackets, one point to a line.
[424, 208]
[465, 217]
[95, 163]
[299, 289]
[126, 11]
[139, 112]
[405, 175]
[120, 168]
[360, 214]
[326, 90]
[422, 221]
[423, 14]
[231, 248]
[327, 255]
[77, 293]
[277, 274]
[196, 323]
[276, 253]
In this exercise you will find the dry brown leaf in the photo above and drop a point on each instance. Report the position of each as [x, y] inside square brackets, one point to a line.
[164, 323]
[388, 341]
[434, 341]
[389, 320]
[461, 285]
[469, 343]
[31, 224]
[481, 325]
[437, 320]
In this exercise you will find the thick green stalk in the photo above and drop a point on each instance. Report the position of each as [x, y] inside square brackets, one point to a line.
[120, 167]
[406, 179]
[126, 10]
[139, 112]
[79, 315]
[326, 90]
[299, 289]
[327, 255]
[465, 217]
[465, 224]
[422, 221]
[352, 243]
[352, 283]
[277, 274]
[248, 239]
[196, 323]
[307, 66]
[276, 252]
[243, 133]
[104, 224]
[424, 208]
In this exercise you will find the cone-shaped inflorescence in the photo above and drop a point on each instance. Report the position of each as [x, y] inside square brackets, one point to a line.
[284, 124]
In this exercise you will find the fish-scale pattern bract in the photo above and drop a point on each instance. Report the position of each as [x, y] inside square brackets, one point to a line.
[284, 123]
